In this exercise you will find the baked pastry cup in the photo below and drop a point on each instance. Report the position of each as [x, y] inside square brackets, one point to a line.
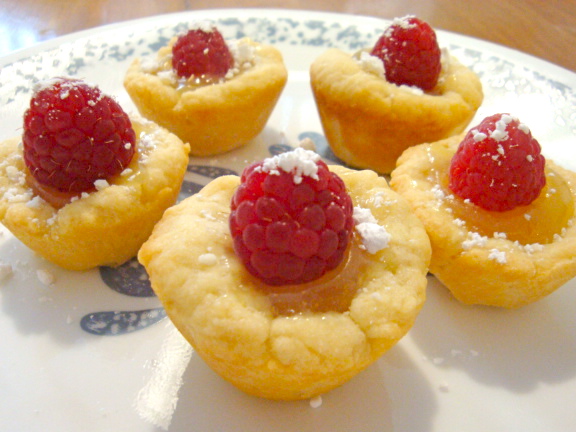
[215, 303]
[487, 268]
[212, 118]
[104, 227]
[369, 122]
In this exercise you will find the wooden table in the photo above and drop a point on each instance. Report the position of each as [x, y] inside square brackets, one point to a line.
[545, 29]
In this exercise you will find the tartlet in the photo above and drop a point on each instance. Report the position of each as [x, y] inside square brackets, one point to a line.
[103, 227]
[212, 117]
[369, 121]
[490, 268]
[216, 304]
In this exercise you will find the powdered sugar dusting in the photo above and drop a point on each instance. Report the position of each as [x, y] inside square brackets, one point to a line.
[522, 127]
[478, 136]
[316, 402]
[244, 56]
[497, 255]
[403, 22]
[474, 240]
[45, 277]
[146, 144]
[375, 237]
[205, 26]
[298, 162]
[531, 248]
[101, 184]
[371, 64]
[500, 133]
[208, 259]
[412, 89]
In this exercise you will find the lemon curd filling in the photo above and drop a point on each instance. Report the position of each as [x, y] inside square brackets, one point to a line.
[332, 292]
[243, 53]
[538, 222]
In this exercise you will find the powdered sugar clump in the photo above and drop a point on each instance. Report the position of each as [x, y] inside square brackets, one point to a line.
[474, 240]
[371, 64]
[298, 162]
[478, 136]
[497, 255]
[205, 26]
[374, 236]
[208, 259]
[500, 133]
[363, 215]
[45, 277]
[316, 402]
[412, 89]
[101, 184]
[244, 56]
[402, 22]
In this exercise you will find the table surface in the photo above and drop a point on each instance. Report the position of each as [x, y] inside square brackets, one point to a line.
[545, 29]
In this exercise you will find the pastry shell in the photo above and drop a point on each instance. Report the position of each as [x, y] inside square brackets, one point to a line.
[105, 227]
[213, 118]
[472, 274]
[217, 308]
[369, 122]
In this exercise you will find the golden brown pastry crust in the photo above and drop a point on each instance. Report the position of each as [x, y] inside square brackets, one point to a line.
[472, 274]
[231, 325]
[369, 122]
[214, 118]
[108, 226]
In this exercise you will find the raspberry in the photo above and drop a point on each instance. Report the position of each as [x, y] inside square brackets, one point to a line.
[75, 135]
[410, 53]
[291, 218]
[201, 52]
[498, 165]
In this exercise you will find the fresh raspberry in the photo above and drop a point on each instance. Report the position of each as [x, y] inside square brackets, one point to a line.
[410, 53]
[498, 165]
[291, 218]
[201, 52]
[75, 135]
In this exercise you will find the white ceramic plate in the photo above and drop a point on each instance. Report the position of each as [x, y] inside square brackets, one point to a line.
[91, 352]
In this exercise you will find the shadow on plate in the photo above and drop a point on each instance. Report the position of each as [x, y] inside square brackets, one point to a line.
[516, 349]
[41, 298]
[378, 399]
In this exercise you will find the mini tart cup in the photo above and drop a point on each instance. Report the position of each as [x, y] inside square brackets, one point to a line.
[530, 271]
[214, 118]
[230, 323]
[369, 122]
[105, 227]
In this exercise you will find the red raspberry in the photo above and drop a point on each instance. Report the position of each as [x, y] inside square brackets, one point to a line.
[410, 53]
[498, 165]
[291, 218]
[75, 135]
[201, 52]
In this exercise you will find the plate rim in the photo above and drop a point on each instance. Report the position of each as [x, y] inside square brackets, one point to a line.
[559, 73]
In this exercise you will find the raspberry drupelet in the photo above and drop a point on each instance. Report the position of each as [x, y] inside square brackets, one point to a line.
[75, 135]
[498, 165]
[410, 53]
[291, 218]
